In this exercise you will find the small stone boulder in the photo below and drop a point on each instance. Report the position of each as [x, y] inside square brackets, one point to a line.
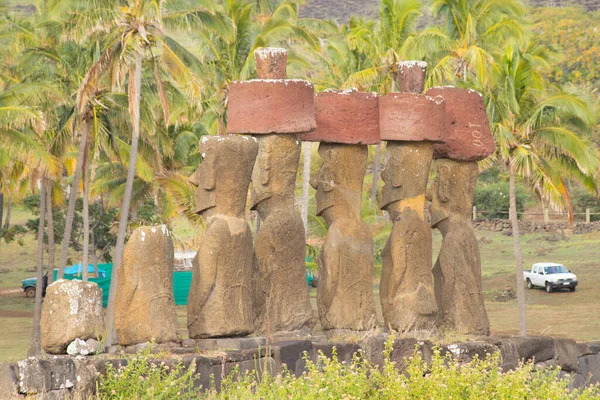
[144, 302]
[71, 310]
[80, 347]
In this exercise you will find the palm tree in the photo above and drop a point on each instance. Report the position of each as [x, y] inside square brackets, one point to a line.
[465, 48]
[540, 137]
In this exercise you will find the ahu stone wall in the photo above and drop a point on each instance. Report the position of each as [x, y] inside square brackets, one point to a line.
[60, 377]
[504, 225]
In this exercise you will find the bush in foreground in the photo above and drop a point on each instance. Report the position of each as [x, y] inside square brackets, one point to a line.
[443, 378]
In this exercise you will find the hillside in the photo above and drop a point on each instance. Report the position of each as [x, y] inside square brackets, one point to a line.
[341, 11]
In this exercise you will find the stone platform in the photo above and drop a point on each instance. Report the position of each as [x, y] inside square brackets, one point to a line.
[59, 377]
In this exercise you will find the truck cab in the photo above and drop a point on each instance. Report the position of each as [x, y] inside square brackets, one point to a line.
[551, 276]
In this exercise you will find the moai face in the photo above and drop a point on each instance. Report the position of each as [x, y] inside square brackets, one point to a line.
[452, 191]
[222, 178]
[339, 181]
[405, 177]
[274, 174]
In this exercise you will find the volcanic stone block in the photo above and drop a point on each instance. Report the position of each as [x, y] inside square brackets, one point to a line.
[282, 303]
[144, 302]
[348, 116]
[468, 136]
[410, 117]
[71, 310]
[271, 62]
[410, 76]
[345, 293]
[457, 272]
[220, 298]
[264, 106]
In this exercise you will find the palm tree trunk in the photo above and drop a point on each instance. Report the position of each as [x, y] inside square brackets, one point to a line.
[86, 224]
[1, 207]
[50, 220]
[135, 82]
[514, 219]
[35, 346]
[8, 210]
[375, 173]
[305, 184]
[64, 249]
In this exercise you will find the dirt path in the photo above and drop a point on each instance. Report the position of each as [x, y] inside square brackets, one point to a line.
[9, 291]
[15, 314]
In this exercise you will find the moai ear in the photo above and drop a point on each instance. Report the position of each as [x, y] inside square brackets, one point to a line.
[444, 183]
[326, 176]
[396, 174]
[265, 164]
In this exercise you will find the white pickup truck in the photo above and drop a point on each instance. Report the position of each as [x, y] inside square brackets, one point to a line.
[550, 276]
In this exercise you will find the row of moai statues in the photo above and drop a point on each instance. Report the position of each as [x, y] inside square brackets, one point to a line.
[243, 285]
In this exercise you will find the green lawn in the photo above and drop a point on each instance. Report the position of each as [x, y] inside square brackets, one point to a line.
[564, 314]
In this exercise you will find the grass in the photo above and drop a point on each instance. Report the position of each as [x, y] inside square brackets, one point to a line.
[562, 314]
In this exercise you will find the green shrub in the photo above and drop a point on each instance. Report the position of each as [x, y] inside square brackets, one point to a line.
[492, 201]
[328, 378]
[145, 378]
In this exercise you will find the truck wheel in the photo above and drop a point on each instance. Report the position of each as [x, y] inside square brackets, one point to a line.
[30, 292]
[548, 287]
[572, 289]
[529, 284]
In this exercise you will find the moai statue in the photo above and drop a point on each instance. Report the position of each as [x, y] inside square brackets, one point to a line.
[274, 110]
[347, 122]
[220, 298]
[144, 302]
[411, 123]
[457, 272]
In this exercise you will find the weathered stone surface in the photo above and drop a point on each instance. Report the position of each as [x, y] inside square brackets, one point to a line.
[188, 343]
[457, 272]
[412, 117]
[538, 348]
[465, 352]
[290, 353]
[83, 347]
[468, 135]
[38, 375]
[406, 290]
[410, 76]
[271, 62]
[220, 297]
[566, 353]
[589, 368]
[588, 348]
[345, 292]
[243, 343]
[348, 116]
[265, 106]
[282, 303]
[144, 302]
[71, 310]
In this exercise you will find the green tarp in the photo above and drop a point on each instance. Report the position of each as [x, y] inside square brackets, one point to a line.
[181, 283]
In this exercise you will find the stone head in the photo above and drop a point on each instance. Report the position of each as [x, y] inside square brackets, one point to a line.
[451, 193]
[406, 173]
[223, 176]
[275, 170]
[339, 180]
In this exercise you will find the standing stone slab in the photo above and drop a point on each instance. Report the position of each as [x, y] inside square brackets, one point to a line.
[220, 297]
[411, 122]
[281, 300]
[144, 302]
[346, 122]
[457, 272]
[71, 310]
